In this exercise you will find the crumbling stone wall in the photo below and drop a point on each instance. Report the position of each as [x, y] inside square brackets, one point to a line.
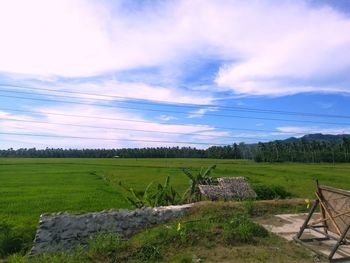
[62, 231]
[228, 188]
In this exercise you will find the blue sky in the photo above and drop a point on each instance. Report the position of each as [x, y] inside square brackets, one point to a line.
[111, 74]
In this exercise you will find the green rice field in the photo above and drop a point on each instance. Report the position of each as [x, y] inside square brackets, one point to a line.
[30, 187]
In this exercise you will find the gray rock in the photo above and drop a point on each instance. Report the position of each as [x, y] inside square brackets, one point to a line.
[62, 231]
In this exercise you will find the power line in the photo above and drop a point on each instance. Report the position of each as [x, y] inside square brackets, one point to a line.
[108, 139]
[126, 129]
[23, 142]
[171, 111]
[143, 121]
[177, 104]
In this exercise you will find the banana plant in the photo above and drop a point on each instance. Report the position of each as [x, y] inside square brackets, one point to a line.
[166, 194]
[137, 200]
[202, 177]
[163, 195]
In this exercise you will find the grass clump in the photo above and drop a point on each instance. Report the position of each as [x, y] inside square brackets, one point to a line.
[103, 244]
[75, 256]
[249, 206]
[11, 240]
[100, 248]
[241, 229]
[148, 252]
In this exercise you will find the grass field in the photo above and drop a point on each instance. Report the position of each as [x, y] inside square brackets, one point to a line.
[30, 187]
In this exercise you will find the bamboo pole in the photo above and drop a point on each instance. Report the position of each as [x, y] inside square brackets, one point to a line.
[329, 214]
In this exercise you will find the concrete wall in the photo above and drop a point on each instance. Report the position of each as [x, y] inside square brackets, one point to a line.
[62, 231]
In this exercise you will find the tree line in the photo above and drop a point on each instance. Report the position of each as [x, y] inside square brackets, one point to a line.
[304, 151]
[309, 151]
[231, 152]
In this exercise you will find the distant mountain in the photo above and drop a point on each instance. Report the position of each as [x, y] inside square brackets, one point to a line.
[319, 137]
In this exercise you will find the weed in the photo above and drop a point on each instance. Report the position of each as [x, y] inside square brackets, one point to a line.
[148, 252]
[241, 229]
[103, 243]
[248, 206]
[181, 232]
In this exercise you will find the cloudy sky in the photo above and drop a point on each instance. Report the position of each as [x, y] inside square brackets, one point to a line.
[106, 74]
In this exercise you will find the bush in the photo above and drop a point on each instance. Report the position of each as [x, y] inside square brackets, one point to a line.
[266, 192]
[281, 192]
[241, 229]
[10, 241]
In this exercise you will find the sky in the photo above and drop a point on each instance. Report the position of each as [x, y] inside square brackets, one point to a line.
[114, 74]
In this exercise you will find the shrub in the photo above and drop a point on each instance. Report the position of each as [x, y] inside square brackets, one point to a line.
[10, 241]
[266, 192]
[241, 229]
[281, 192]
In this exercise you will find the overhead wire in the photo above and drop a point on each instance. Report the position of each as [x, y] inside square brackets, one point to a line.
[170, 111]
[143, 121]
[127, 129]
[178, 104]
[110, 139]
[140, 101]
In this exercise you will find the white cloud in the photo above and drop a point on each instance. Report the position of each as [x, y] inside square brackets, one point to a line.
[224, 136]
[324, 105]
[301, 130]
[201, 112]
[304, 45]
[164, 117]
[275, 48]
[109, 118]
[91, 39]
[115, 90]
[52, 37]
[4, 114]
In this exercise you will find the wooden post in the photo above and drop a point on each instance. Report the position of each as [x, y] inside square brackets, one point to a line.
[304, 226]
